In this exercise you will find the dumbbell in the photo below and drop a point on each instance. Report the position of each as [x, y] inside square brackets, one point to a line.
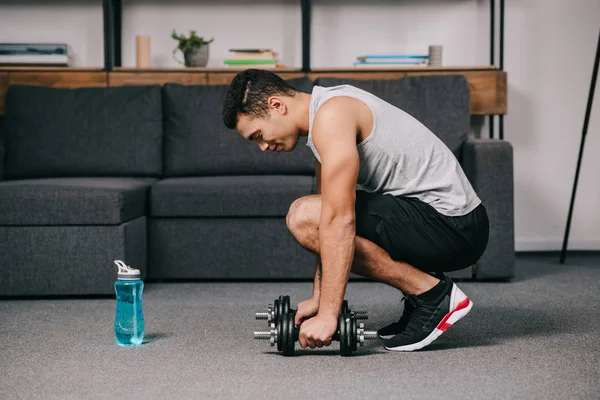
[281, 305]
[346, 309]
[285, 334]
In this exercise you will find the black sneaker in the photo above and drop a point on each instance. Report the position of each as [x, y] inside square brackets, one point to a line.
[391, 330]
[430, 318]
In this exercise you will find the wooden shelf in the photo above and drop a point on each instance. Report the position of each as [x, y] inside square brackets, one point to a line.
[195, 69]
[407, 68]
[314, 70]
[9, 68]
[487, 83]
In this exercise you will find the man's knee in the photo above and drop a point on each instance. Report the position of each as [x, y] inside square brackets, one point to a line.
[300, 215]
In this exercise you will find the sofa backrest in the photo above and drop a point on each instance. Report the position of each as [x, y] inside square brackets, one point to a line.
[441, 102]
[51, 132]
[197, 143]
[1, 148]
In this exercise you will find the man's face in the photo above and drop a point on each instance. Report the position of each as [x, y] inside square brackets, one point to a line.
[277, 132]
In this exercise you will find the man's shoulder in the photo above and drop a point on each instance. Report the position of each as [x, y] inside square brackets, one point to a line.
[335, 105]
[335, 112]
[334, 120]
[337, 101]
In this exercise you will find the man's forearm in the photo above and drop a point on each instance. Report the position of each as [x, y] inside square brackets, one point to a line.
[317, 281]
[319, 269]
[336, 243]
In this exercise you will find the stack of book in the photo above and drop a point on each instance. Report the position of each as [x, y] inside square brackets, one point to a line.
[252, 58]
[397, 60]
[34, 54]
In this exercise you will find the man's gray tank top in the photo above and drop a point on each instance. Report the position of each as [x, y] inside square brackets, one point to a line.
[402, 157]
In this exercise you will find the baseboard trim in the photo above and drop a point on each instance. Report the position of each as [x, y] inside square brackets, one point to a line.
[556, 253]
[555, 244]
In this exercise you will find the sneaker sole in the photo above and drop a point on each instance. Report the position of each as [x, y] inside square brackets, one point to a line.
[459, 312]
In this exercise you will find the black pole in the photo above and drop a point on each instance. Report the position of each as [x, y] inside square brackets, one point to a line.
[586, 121]
[492, 30]
[118, 29]
[306, 14]
[501, 117]
[108, 16]
[502, 35]
[492, 51]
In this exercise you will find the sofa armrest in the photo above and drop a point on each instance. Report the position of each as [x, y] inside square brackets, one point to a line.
[488, 164]
[2, 157]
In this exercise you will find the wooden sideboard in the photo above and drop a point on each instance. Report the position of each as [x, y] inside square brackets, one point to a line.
[488, 84]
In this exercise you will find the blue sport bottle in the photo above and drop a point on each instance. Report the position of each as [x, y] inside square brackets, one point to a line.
[129, 318]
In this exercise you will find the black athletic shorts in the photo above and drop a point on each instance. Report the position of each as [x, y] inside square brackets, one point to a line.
[412, 231]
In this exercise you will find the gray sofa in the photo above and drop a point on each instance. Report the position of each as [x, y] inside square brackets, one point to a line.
[149, 175]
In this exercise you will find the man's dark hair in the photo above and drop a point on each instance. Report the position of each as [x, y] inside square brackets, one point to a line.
[248, 93]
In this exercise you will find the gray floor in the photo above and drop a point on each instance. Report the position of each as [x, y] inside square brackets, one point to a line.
[533, 338]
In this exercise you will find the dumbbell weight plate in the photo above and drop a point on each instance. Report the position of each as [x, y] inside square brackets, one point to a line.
[345, 324]
[282, 332]
[345, 308]
[286, 304]
[279, 325]
[342, 334]
[287, 325]
[279, 335]
[276, 309]
[282, 320]
[279, 307]
[353, 341]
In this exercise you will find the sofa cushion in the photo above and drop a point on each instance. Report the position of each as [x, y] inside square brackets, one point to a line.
[1, 148]
[441, 103]
[228, 196]
[73, 201]
[197, 143]
[59, 132]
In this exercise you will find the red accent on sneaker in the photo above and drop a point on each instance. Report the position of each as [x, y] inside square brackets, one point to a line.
[443, 325]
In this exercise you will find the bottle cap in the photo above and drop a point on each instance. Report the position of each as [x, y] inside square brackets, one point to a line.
[126, 272]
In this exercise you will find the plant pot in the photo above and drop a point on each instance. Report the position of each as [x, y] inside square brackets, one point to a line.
[196, 58]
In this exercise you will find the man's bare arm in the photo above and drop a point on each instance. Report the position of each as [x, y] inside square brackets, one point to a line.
[334, 136]
[317, 281]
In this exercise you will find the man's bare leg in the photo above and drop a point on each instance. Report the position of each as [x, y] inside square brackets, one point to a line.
[370, 260]
[440, 303]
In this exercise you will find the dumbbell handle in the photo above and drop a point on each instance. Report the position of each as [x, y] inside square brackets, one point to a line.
[336, 335]
[266, 335]
[264, 315]
[361, 314]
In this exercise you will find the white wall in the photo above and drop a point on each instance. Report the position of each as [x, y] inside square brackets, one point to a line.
[550, 48]
[549, 54]
[79, 24]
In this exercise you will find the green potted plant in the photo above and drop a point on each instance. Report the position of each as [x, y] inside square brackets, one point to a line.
[194, 49]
